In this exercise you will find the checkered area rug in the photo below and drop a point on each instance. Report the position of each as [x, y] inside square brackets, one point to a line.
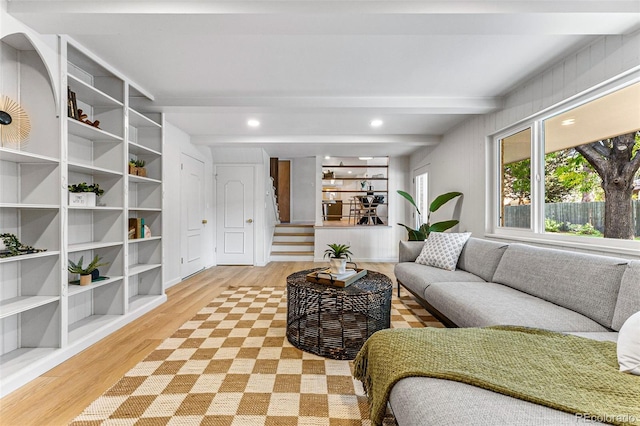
[231, 365]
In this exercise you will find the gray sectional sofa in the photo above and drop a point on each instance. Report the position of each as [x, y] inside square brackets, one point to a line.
[510, 284]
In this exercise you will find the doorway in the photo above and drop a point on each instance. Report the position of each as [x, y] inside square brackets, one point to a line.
[235, 213]
[191, 215]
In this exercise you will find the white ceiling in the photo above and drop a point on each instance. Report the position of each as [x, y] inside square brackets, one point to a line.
[315, 73]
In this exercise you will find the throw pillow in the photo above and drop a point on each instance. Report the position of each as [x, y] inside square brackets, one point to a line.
[442, 250]
[629, 345]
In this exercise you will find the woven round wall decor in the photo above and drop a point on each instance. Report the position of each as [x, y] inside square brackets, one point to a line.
[14, 123]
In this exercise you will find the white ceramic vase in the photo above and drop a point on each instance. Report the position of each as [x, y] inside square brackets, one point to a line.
[338, 265]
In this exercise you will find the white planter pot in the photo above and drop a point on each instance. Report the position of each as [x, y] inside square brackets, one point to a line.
[82, 199]
[338, 266]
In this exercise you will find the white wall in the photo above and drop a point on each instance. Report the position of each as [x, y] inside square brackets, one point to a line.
[458, 162]
[177, 143]
[303, 189]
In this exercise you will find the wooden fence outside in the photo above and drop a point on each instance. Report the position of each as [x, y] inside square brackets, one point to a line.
[575, 213]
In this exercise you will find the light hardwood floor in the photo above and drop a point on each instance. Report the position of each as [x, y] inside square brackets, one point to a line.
[58, 396]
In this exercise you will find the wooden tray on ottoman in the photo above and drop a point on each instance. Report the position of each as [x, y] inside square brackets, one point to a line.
[324, 276]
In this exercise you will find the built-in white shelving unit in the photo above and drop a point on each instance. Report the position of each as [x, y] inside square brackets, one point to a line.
[30, 208]
[45, 317]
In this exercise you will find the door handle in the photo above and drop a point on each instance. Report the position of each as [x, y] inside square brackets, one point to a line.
[249, 220]
[204, 221]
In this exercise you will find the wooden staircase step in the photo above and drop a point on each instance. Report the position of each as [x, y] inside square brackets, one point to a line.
[293, 243]
[292, 253]
[293, 234]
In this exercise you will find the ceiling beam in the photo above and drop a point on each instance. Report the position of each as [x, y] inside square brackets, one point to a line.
[328, 17]
[380, 105]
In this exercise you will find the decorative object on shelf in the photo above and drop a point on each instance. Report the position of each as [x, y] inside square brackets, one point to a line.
[422, 233]
[137, 228]
[15, 125]
[83, 195]
[72, 105]
[328, 175]
[338, 255]
[83, 117]
[86, 274]
[363, 184]
[11, 246]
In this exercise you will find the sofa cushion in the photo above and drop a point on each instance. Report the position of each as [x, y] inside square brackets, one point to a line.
[481, 257]
[585, 283]
[408, 251]
[442, 250]
[483, 304]
[629, 295]
[419, 401]
[629, 345]
[418, 277]
[605, 336]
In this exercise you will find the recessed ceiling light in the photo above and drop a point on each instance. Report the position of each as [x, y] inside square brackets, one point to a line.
[376, 123]
[349, 172]
[253, 123]
[568, 122]
[365, 158]
[326, 157]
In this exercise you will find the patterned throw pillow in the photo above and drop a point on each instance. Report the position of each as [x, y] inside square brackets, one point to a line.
[442, 250]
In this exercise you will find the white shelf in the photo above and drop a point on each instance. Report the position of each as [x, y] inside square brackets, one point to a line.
[142, 267]
[137, 149]
[83, 130]
[24, 303]
[75, 289]
[89, 94]
[28, 256]
[29, 206]
[142, 240]
[92, 246]
[144, 209]
[140, 179]
[14, 156]
[139, 120]
[89, 325]
[94, 208]
[92, 170]
[140, 301]
[22, 359]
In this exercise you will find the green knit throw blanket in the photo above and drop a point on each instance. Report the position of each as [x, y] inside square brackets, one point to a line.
[568, 373]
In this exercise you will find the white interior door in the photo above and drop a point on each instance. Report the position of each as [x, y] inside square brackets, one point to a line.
[234, 213]
[192, 215]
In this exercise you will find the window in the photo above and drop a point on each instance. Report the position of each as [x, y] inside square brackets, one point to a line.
[578, 176]
[515, 180]
[422, 195]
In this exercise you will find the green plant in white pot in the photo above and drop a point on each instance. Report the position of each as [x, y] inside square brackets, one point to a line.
[338, 255]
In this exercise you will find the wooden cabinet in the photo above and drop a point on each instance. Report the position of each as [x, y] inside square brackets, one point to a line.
[45, 317]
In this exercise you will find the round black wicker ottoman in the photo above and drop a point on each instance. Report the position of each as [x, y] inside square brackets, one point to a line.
[334, 322]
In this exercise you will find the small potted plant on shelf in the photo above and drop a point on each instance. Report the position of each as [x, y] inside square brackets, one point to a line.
[338, 255]
[83, 195]
[132, 167]
[140, 170]
[89, 273]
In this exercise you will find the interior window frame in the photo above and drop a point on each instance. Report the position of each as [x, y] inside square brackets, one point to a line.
[536, 232]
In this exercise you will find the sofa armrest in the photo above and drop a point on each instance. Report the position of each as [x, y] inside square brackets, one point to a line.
[409, 250]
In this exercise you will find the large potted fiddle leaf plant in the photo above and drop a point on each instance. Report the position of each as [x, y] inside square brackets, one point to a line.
[423, 231]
